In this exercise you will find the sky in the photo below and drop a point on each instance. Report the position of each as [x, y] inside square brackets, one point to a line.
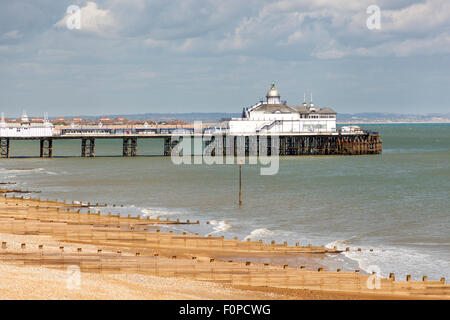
[164, 56]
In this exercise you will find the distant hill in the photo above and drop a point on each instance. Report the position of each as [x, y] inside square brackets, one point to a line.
[392, 117]
[188, 117]
[341, 117]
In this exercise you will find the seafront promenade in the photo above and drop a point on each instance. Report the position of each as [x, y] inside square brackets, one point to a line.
[55, 236]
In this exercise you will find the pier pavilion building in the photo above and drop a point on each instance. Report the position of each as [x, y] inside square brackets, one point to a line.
[26, 127]
[274, 116]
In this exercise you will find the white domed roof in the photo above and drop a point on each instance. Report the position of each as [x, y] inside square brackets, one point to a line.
[273, 92]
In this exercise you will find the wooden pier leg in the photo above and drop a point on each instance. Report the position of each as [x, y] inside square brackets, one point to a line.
[126, 147]
[282, 146]
[129, 147]
[46, 148]
[303, 145]
[133, 147]
[41, 148]
[50, 148]
[88, 147]
[253, 146]
[167, 151]
[229, 146]
[240, 148]
[83, 147]
[274, 145]
[92, 147]
[4, 147]
[262, 146]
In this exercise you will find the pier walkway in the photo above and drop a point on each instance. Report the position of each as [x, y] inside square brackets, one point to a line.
[249, 145]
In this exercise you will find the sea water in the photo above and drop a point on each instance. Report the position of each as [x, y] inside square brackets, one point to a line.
[396, 203]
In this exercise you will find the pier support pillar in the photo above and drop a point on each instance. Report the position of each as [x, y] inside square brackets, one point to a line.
[167, 150]
[213, 146]
[4, 147]
[46, 148]
[253, 142]
[240, 146]
[169, 145]
[129, 147]
[283, 146]
[229, 146]
[87, 147]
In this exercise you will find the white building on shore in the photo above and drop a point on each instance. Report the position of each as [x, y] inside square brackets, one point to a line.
[275, 116]
[25, 128]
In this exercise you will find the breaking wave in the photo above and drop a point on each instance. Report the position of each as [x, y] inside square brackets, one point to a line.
[154, 213]
[262, 233]
[219, 226]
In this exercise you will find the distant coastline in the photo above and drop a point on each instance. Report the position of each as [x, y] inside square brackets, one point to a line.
[216, 117]
[395, 122]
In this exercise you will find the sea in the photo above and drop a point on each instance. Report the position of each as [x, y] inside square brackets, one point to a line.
[396, 203]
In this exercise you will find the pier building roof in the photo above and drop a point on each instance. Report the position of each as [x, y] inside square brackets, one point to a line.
[273, 92]
[274, 108]
[274, 105]
[306, 109]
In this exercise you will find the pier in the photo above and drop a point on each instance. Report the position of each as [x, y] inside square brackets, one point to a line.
[287, 144]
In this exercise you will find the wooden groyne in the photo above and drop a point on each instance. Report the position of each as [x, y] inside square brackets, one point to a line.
[137, 246]
[246, 145]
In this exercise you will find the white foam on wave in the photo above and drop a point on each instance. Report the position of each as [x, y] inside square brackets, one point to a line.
[398, 260]
[18, 170]
[340, 243]
[219, 226]
[158, 212]
[261, 233]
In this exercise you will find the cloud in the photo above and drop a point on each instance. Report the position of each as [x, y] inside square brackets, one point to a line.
[430, 46]
[215, 47]
[96, 21]
[424, 16]
[155, 43]
[286, 29]
[11, 35]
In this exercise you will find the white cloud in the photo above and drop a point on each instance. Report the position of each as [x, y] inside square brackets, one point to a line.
[94, 20]
[286, 29]
[425, 16]
[436, 45]
[324, 29]
[155, 43]
[11, 35]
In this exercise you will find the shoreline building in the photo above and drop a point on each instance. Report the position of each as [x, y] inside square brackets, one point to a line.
[26, 127]
[275, 116]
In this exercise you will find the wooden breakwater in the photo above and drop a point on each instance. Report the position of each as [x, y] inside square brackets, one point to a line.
[112, 244]
[237, 145]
